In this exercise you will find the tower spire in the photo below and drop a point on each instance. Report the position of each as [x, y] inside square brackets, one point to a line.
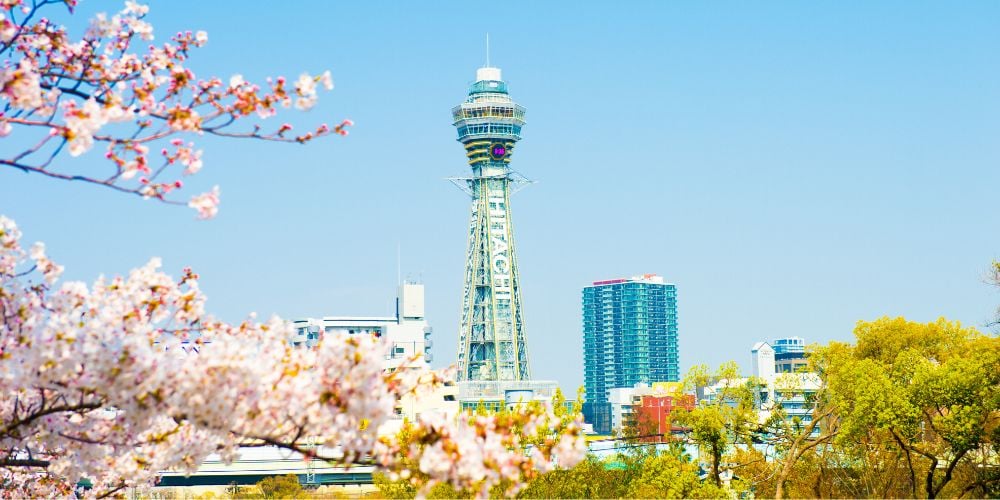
[491, 345]
[487, 50]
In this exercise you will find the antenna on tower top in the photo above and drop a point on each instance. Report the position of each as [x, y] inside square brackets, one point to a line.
[488, 72]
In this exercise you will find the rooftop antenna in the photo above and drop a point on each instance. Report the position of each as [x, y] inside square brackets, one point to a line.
[487, 50]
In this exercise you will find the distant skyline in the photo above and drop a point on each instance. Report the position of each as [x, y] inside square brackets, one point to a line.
[792, 167]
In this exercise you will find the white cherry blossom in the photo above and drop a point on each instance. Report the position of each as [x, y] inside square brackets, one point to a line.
[96, 383]
[207, 204]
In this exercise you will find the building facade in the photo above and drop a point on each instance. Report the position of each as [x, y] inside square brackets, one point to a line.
[408, 336]
[491, 344]
[653, 416]
[779, 368]
[645, 409]
[496, 395]
[789, 354]
[408, 333]
[786, 355]
[629, 337]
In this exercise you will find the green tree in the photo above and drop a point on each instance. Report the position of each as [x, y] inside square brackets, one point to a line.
[390, 489]
[728, 418]
[794, 439]
[667, 475]
[559, 408]
[286, 486]
[930, 391]
[402, 489]
[591, 478]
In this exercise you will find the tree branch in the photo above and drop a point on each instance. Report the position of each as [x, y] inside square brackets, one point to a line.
[10, 427]
[949, 470]
[23, 463]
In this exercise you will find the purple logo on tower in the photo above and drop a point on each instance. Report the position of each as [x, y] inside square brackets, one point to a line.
[498, 151]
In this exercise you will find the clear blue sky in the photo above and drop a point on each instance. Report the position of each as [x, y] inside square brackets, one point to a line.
[792, 167]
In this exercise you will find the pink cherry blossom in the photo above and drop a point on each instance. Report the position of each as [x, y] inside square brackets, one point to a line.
[82, 124]
[73, 89]
[21, 85]
[126, 377]
[207, 204]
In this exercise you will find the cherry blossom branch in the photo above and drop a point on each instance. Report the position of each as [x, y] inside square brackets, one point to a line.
[75, 90]
[11, 427]
[82, 178]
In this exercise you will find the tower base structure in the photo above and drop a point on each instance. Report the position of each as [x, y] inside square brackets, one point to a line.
[496, 395]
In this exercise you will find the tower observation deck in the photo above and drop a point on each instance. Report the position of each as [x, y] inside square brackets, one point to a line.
[491, 340]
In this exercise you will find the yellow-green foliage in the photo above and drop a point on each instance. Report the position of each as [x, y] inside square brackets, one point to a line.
[589, 479]
[929, 393]
[637, 475]
[287, 486]
[667, 476]
[731, 418]
[909, 410]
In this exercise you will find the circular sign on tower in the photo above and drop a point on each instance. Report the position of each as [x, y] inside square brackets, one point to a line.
[498, 151]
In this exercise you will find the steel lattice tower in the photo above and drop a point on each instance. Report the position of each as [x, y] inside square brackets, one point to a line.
[491, 344]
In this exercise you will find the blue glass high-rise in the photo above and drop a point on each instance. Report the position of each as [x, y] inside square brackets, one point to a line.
[629, 336]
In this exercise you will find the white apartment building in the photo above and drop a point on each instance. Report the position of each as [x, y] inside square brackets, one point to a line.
[408, 334]
[792, 391]
[409, 340]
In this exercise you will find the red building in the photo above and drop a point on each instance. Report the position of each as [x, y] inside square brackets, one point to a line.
[653, 416]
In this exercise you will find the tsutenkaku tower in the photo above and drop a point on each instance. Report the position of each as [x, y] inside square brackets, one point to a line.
[491, 343]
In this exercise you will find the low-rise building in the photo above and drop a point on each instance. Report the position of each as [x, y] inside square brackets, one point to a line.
[408, 336]
[783, 381]
[653, 416]
[645, 410]
[495, 395]
[793, 390]
[794, 393]
[407, 333]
